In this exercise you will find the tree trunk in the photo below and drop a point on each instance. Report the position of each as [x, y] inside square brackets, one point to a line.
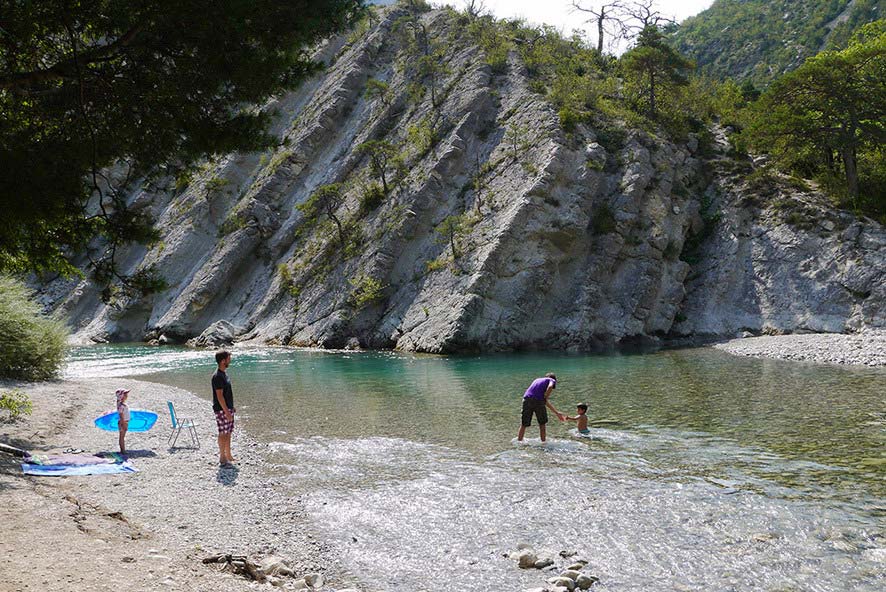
[652, 94]
[600, 31]
[341, 233]
[850, 164]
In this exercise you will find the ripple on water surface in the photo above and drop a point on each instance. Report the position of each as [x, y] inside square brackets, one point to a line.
[413, 516]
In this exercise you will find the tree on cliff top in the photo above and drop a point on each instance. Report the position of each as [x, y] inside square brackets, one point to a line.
[834, 103]
[653, 67]
[98, 95]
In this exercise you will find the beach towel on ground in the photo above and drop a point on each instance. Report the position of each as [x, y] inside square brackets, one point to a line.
[104, 468]
[72, 460]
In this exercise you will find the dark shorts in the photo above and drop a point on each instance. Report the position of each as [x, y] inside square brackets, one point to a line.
[224, 426]
[536, 406]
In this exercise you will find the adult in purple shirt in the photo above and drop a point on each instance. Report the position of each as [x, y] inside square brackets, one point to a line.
[535, 400]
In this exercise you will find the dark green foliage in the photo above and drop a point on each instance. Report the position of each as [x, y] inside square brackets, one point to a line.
[653, 69]
[326, 200]
[424, 63]
[759, 40]
[367, 290]
[382, 156]
[33, 345]
[569, 119]
[828, 117]
[493, 41]
[377, 89]
[603, 221]
[373, 196]
[452, 229]
[691, 252]
[88, 85]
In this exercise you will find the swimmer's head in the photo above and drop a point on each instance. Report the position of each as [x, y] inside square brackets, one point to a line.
[582, 408]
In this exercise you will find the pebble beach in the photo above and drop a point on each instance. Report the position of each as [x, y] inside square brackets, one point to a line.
[861, 349]
[148, 530]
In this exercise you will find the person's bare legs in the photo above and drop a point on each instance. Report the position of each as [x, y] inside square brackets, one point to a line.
[542, 432]
[123, 426]
[222, 450]
[521, 433]
[228, 448]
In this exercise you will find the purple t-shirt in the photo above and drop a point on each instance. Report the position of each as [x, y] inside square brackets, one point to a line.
[538, 387]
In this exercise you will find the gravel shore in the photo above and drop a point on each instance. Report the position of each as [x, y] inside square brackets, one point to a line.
[863, 349]
[148, 530]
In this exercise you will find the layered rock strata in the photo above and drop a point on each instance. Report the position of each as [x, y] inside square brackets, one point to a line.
[593, 238]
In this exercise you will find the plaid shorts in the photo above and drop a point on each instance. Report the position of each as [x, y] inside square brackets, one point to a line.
[224, 426]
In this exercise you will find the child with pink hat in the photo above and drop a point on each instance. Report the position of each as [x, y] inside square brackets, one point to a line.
[123, 420]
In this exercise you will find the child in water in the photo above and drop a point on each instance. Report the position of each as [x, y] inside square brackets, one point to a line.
[582, 419]
[123, 419]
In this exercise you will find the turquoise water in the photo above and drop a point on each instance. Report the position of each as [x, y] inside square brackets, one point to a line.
[720, 473]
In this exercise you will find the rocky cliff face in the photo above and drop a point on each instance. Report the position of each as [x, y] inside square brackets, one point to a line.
[582, 240]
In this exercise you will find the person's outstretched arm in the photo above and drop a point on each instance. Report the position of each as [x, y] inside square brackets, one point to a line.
[548, 402]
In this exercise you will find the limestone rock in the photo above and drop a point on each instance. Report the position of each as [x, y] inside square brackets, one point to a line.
[218, 334]
[273, 565]
[572, 574]
[584, 581]
[563, 582]
[314, 580]
[589, 242]
[526, 559]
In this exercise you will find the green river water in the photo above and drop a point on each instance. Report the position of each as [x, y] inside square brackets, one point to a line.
[721, 473]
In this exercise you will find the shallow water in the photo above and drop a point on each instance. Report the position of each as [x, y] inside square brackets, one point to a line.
[722, 473]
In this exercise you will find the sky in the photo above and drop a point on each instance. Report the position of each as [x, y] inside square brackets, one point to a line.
[561, 14]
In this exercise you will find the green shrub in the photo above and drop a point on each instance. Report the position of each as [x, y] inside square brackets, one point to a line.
[34, 345]
[15, 404]
[216, 183]
[604, 220]
[437, 264]
[373, 196]
[569, 119]
[367, 290]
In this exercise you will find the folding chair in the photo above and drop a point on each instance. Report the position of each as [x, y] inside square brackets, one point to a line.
[179, 424]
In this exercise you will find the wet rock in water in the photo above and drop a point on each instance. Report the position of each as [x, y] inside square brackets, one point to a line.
[543, 562]
[572, 574]
[585, 581]
[578, 565]
[567, 553]
[353, 344]
[314, 580]
[526, 559]
[128, 560]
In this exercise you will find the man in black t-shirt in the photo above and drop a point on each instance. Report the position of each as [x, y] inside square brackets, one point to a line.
[223, 406]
